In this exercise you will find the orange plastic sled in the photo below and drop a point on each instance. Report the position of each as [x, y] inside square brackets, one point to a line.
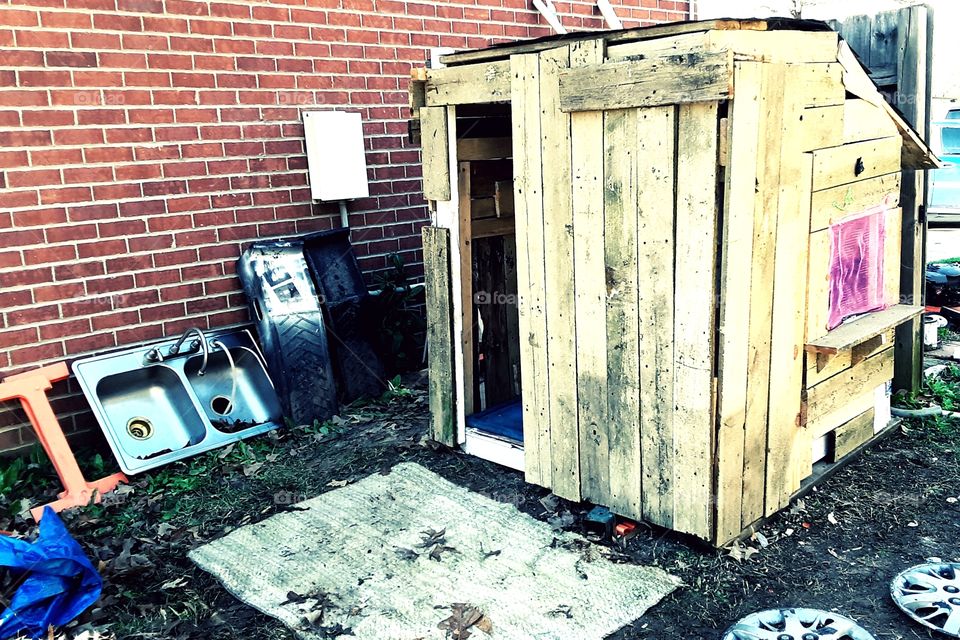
[31, 389]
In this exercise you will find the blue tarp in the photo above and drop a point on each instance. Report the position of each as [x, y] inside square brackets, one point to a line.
[60, 584]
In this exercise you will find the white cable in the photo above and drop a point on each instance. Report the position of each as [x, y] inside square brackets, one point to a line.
[233, 374]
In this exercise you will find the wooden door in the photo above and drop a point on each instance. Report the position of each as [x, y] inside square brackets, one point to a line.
[897, 47]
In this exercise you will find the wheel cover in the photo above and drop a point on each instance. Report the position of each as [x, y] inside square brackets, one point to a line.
[930, 594]
[796, 624]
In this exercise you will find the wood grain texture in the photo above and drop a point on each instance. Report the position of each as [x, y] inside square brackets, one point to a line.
[436, 264]
[849, 436]
[837, 390]
[528, 205]
[696, 223]
[823, 367]
[588, 227]
[656, 171]
[734, 333]
[788, 447]
[655, 81]
[623, 366]
[472, 84]
[435, 145]
[560, 297]
[855, 162]
[852, 333]
[773, 83]
[834, 204]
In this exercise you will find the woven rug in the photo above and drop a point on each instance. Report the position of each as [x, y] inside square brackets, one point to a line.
[409, 555]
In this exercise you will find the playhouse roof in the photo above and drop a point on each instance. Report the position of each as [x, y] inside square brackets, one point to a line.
[916, 153]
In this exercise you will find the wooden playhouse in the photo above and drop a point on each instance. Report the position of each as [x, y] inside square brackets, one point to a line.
[636, 255]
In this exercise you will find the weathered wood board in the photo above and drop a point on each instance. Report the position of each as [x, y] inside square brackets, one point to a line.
[650, 82]
[436, 262]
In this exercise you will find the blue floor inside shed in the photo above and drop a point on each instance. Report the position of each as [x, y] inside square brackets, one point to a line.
[505, 420]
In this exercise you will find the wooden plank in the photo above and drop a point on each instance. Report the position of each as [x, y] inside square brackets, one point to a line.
[528, 202]
[623, 364]
[448, 215]
[627, 35]
[489, 284]
[778, 46]
[838, 391]
[697, 217]
[560, 305]
[671, 79]
[854, 332]
[865, 121]
[788, 449]
[891, 258]
[821, 425]
[736, 260]
[587, 163]
[436, 266]
[469, 149]
[818, 285]
[915, 41]
[468, 311]
[833, 205]
[471, 84]
[820, 126]
[821, 83]
[821, 368]
[770, 136]
[682, 44]
[854, 162]
[850, 436]
[513, 319]
[656, 172]
[434, 140]
[489, 227]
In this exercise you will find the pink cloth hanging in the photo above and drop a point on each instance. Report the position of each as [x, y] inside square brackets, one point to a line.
[857, 265]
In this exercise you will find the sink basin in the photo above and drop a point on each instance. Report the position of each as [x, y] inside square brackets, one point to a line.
[254, 402]
[154, 411]
[159, 414]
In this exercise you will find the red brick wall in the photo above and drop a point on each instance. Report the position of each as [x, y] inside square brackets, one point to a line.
[144, 142]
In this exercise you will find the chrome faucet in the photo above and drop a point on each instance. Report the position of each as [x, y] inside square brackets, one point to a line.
[198, 343]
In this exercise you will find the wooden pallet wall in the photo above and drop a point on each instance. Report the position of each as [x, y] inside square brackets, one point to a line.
[620, 395]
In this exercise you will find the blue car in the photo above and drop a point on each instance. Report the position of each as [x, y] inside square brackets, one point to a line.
[944, 203]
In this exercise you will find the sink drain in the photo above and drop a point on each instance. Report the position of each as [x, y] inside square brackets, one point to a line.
[930, 594]
[139, 428]
[221, 405]
[796, 624]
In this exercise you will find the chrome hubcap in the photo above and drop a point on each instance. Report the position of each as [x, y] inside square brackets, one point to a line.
[796, 624]
[927, 593]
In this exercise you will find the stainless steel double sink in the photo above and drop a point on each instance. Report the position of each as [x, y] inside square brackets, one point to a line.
[171, 400]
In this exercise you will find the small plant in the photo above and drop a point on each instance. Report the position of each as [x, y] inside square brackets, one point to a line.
[401, 321]
[395, 389]
[906, 400]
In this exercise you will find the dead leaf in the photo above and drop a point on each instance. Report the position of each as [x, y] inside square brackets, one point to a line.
[174, 584]
[250, 470]
[338, 483]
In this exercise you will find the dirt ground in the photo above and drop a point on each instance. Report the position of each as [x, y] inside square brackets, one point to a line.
[837, 549]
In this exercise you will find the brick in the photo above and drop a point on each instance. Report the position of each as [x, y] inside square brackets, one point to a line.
[25, 138]
[63, 234]
[78, 136]
[77, 59]
[121, 228]
[49, 118]
[61, 329]
[78, 270]
[88, 174]
[69, 194]
[87, 344]
[92, 212]
[102, 248]
[18, 337]
[114, 320]
[33, 178]
[36, 354]
[49, 254]
[39, 217]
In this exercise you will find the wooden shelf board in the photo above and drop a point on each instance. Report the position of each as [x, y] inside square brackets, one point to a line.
[853, 333]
